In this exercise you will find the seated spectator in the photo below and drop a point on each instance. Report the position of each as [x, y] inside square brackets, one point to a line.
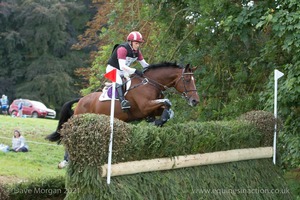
[18, 142]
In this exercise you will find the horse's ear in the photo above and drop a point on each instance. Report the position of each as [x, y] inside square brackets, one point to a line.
[194, 69]
[188, 67]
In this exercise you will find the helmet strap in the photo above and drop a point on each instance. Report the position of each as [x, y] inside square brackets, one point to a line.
[130, 44]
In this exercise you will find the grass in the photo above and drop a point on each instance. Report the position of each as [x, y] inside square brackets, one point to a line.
[41, 160]
[293, 179]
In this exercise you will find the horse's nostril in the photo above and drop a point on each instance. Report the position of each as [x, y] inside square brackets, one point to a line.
[195, 102]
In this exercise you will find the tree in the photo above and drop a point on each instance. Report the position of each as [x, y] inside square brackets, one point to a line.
[36, 55]
[283, 23]
[277, 26]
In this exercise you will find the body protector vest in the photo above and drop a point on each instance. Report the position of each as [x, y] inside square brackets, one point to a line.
[130, 57]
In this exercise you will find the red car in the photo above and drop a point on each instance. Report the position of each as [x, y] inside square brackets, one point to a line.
[31, 108]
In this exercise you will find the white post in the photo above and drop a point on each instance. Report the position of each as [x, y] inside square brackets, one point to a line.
[277, 75]
[112, 112]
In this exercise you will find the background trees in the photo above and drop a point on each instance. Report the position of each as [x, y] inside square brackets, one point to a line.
[35, 57]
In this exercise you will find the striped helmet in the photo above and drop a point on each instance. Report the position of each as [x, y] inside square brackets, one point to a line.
[135, 36]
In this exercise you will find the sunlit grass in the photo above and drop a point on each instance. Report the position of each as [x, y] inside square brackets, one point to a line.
[41, 160]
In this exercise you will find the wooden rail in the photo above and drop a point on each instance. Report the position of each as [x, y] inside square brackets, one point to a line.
[160, 164]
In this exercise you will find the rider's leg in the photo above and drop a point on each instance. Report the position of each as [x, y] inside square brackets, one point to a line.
[124, 103]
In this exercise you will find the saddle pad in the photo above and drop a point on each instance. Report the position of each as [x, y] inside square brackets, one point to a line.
[107, 91]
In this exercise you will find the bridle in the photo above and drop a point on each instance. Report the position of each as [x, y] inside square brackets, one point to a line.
[186, 91]
[162, 87]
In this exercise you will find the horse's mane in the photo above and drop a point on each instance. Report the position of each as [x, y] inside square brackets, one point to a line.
[163, 64]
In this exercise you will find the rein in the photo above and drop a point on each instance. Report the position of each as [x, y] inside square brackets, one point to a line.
[146, 80]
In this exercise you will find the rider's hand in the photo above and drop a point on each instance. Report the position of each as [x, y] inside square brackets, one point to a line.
[138, 72]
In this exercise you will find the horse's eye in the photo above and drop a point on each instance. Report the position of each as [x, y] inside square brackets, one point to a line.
[188, 79]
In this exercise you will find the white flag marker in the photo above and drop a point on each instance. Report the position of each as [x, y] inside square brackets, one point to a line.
[111, 76]
[277, 75]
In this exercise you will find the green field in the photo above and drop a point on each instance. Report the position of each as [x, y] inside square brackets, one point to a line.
[41, 160]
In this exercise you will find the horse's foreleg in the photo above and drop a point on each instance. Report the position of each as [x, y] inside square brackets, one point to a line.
[165, 102]
[154, 107]
[167, 112]
[166, 115]
[158, 107]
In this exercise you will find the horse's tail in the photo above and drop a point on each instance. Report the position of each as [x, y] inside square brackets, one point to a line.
[65, 113]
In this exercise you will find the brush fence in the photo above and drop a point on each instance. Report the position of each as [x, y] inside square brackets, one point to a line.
[177, 162]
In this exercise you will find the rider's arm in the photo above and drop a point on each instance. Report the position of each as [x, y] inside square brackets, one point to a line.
[121, 54]
[124, 67]
[143, 63]
[142, 60]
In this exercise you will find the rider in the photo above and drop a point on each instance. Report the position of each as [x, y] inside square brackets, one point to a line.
[121, 59]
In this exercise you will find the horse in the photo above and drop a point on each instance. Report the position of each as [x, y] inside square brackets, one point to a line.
[145, 95]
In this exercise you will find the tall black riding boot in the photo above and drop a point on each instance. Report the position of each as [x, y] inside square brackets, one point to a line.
[124, 103]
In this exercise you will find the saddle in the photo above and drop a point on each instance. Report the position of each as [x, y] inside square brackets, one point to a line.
[107, 90]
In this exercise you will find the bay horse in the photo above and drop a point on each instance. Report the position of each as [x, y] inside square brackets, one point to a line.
[145, 96]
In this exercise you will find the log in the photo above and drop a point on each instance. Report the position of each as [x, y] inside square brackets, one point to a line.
[160, 164]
